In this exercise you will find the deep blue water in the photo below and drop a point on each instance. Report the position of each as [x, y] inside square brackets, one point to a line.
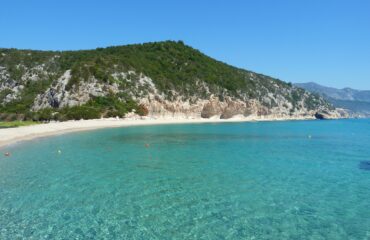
[267, 180]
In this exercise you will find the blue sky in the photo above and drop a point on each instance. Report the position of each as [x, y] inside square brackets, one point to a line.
[326, 41]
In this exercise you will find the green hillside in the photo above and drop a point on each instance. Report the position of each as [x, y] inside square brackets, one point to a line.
[173, 67]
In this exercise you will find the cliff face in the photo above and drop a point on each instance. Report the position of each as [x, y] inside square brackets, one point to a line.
[165, 79]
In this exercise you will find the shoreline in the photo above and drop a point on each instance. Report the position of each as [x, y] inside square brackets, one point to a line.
[9, 136]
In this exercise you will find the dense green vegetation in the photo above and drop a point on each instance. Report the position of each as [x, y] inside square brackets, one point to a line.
[171, 65]
[97, 107]
[110, 106]
[16, 124]
[24, 103]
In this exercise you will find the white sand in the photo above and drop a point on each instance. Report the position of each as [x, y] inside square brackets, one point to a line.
[13, 135]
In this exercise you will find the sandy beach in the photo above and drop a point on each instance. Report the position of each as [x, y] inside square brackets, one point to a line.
[12, 135]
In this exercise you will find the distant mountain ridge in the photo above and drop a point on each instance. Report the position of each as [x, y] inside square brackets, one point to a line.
[338, 94]
[357, 101]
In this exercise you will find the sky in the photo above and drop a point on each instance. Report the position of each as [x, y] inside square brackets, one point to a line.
[325, 41]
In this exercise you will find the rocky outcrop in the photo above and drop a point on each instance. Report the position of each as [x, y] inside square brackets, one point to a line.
[334, 114]
[53, 97]
[57, 96]
[213, 108]
[234, 108]
[322, 115]
[9, 88]
[158, 106]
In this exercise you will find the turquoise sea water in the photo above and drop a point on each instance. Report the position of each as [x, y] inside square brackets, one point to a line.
[267, 180]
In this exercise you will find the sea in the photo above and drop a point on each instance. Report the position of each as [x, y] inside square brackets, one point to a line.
[252, 180]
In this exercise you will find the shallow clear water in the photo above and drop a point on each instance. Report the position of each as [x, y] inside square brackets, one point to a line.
[265, 180]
